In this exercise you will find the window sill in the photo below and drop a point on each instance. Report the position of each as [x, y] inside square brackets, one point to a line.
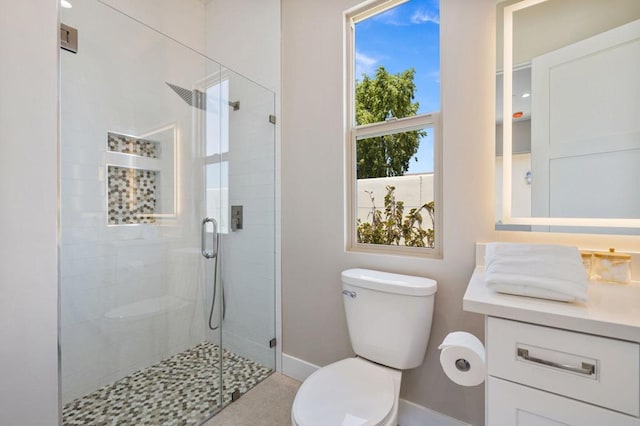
[393, 250]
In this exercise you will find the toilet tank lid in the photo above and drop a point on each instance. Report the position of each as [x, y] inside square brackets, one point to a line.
[389, 282]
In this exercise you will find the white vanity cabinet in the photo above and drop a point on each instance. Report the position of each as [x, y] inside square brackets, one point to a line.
[547, 376]
[511, 404]
[555, 363]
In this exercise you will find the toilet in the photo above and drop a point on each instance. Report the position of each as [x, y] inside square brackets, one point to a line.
[389, 320]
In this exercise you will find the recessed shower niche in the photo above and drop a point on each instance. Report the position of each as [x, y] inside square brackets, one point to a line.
[141, 177]
[132, 195]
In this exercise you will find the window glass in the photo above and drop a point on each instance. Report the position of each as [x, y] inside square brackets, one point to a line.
[218, 194]
[403, 39]
[217, 154]
[395, 134]
[217, 113]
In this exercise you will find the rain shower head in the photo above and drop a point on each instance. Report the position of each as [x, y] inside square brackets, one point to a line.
[196, 98]
[193, 98]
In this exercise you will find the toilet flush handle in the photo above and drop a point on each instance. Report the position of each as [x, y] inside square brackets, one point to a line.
[351, 294]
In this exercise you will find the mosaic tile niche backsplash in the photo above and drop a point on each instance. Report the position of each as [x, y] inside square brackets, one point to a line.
[130, 145]
[133, 193]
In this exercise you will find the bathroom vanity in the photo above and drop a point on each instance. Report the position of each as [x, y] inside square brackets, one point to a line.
[561, 67]
[555, 363]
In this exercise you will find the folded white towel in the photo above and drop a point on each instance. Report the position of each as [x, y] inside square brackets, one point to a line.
[537, 270]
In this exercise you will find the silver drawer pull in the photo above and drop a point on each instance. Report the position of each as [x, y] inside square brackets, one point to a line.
[587, 369]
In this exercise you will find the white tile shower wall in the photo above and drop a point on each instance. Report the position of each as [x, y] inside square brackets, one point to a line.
[104, 267]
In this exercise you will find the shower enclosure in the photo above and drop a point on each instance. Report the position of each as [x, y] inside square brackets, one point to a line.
[167, 227]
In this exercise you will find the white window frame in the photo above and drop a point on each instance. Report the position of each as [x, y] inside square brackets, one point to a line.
[353, 133]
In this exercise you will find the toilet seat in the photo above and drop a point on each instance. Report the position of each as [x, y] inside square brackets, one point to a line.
[351, 392]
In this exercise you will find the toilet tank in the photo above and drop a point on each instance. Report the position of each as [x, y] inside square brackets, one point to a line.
[388, 315]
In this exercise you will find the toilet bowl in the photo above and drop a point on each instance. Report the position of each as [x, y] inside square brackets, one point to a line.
[389, 320]
[351, 392]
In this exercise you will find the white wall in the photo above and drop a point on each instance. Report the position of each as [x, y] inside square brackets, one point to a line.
[28, 188]
[244, 35]
[181, 20]
[313, 194]
[315, 328]
[313, 237]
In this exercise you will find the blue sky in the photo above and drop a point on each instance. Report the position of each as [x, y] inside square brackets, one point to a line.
[404, 37]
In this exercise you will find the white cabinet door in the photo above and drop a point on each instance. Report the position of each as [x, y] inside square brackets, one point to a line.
[511, 404]
[585, 132]
[551, 353]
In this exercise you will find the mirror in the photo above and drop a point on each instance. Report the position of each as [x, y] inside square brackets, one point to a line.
[568, 116]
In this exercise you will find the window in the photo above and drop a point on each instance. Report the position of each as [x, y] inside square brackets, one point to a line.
[393, 57]
[217, 153]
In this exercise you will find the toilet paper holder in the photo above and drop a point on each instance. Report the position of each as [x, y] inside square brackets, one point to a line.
[463, 358]
[462, 364]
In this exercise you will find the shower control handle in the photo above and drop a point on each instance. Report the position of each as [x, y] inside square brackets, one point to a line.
[203, 245]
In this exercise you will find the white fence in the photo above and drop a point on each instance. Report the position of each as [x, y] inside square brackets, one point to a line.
[413, 190]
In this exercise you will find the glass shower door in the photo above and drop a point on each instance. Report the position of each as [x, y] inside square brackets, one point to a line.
[135, 343]
[240, 191]
[167, 231]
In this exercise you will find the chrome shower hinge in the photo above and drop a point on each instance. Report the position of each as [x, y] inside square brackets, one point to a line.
[68, 38]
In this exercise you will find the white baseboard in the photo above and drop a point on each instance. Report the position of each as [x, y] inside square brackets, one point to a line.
[409, 413]
[297, 368]
[247, 348]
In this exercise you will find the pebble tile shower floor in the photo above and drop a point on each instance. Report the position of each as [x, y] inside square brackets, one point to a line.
[181, 390]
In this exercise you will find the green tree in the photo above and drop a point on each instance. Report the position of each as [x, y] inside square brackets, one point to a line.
[378, 99]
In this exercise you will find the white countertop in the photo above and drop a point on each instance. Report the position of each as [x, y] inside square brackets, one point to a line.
[612, 310]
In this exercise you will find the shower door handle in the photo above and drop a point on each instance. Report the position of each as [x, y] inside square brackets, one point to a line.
[203, 238]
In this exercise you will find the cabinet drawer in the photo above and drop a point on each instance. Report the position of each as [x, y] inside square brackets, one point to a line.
[516, 405]
[593, 369]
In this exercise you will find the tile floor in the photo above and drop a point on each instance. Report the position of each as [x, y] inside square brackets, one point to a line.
[181, 390]
[267, 404]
